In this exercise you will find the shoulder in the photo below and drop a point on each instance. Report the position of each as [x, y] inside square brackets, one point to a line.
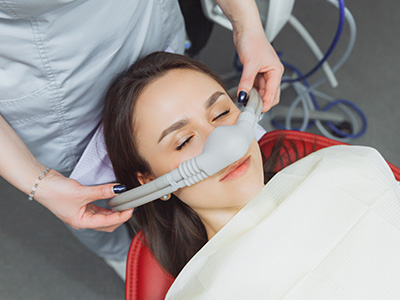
[347, 151]
[359, 157]
[342, 161]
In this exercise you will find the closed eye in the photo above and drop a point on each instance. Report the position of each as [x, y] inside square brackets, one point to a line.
[221, 115]
[184, 143]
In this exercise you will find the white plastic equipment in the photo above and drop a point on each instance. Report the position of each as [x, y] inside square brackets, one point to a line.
[274, 15]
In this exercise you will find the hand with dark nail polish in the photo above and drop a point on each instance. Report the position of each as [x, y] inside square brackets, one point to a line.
[118, 189]
[242, 97]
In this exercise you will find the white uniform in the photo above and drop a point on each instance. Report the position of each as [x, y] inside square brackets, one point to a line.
[57, 60]
[58, 57]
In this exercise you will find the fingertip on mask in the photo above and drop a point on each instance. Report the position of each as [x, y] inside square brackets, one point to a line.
[118, 189]
[242, 98]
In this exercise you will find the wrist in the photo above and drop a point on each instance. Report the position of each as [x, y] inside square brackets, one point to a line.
[243, 15]
[44, 189]
[37, 182]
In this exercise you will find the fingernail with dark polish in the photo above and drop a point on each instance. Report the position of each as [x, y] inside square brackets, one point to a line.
[242, 97]
[118, 189]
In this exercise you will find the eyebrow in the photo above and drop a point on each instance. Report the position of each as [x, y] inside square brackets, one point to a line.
[172, 128]
[182, 123]
[213, 98]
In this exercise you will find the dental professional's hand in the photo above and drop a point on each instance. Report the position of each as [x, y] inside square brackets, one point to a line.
[71, 202]
[64, 197]
[261, 67]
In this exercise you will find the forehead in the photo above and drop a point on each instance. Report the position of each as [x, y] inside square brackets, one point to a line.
[176, 93]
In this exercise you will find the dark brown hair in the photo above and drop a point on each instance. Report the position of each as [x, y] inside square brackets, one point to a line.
[173, 231]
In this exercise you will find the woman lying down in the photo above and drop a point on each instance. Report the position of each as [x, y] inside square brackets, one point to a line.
[326, 227]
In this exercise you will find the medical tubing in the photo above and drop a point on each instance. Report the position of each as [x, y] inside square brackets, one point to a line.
[350, 45]
[342, 103]
[186, 174]
[306, 110]
[141, 191]
[318, 123]
[344, 108]
[190, 172]
[314, 48]
[354, 107]
[295, 103]
[254, 106]
[330, 49]
[301, 95]
[349, 114]
[310, 91]
[131, 203]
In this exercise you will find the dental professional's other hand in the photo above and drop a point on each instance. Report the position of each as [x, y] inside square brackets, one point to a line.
[261, 65]
[72, 203]
[64, 197]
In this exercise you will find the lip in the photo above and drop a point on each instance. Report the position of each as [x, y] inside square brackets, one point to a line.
[240, 167]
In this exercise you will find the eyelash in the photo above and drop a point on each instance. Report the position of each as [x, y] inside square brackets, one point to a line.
[184, 143]
[188, 139]
[223, 114]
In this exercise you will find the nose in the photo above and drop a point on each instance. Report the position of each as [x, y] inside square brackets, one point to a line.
[210, 126]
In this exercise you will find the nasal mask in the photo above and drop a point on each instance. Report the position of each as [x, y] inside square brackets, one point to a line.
[224, 146]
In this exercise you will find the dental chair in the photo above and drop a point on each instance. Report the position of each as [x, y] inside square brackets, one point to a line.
[146, 280]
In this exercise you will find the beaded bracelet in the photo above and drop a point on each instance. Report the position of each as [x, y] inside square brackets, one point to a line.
[30, 198]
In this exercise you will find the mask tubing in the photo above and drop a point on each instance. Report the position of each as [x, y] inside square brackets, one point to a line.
[129, 203]
[141, 191]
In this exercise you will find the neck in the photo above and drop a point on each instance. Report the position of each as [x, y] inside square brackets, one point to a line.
[215, 219]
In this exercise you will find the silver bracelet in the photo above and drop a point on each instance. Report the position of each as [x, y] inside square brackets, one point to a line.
[30, 198]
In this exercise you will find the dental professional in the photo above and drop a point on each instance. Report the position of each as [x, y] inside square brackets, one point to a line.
[57, 60]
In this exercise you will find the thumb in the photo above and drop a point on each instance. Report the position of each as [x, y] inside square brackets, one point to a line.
[104, 191]
[249, 74]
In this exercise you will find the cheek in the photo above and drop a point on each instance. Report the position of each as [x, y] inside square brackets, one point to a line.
[199, 194]
[235, 113]
[161, 164]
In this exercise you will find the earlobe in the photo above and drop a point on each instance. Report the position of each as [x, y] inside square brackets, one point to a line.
[166, 197]
[143, 179]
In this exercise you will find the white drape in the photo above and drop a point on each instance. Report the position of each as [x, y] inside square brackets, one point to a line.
[326, 227]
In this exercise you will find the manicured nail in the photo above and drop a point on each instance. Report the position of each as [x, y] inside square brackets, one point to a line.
[242, 97]
[118, 189]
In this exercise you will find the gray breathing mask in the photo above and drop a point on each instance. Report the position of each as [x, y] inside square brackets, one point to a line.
[224, 146]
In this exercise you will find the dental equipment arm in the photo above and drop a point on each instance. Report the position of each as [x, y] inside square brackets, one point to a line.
[224, 146]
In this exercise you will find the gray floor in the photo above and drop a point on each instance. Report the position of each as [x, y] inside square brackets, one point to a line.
[41, 260]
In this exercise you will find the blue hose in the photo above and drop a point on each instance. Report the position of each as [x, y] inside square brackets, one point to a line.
[355, 108]
[331, 47]
[328, 107]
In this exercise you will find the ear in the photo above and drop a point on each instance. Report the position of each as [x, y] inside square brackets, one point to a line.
[144, 178]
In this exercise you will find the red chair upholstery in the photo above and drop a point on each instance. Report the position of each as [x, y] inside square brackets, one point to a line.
[146, 280]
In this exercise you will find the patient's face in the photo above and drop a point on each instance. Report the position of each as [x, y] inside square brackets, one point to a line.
[174, 116]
